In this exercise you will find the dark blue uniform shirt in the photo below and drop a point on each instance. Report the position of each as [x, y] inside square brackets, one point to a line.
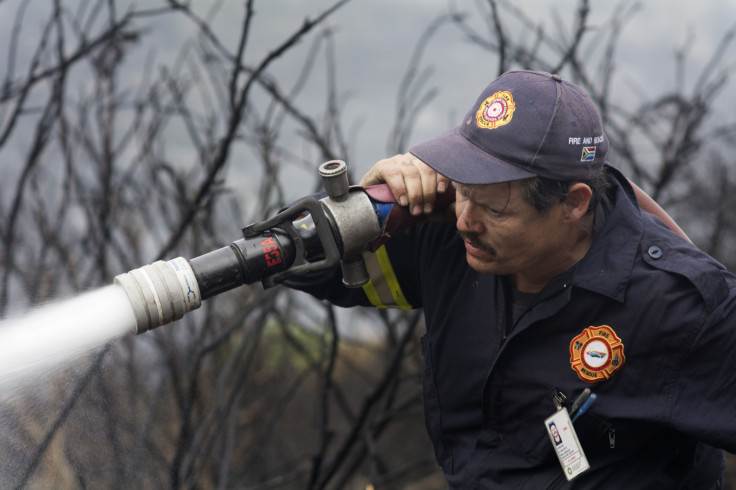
[645, 320]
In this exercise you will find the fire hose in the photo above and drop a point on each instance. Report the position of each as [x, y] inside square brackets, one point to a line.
[311, 235]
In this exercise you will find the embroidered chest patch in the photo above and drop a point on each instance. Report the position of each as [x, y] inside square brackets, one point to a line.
[596, 354]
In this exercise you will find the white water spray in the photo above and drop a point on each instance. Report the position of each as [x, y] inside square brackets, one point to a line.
[55, 334]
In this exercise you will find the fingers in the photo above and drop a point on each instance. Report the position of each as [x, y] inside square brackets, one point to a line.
[412, 182]
[421, 185]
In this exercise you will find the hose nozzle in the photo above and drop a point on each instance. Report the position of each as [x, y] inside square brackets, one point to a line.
[161, 292]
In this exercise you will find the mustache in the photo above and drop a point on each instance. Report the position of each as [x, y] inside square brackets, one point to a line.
[474, 240]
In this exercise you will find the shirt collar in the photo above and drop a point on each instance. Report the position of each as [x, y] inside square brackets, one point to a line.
[607, 266]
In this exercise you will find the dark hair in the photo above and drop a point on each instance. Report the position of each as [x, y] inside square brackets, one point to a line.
[544, 193]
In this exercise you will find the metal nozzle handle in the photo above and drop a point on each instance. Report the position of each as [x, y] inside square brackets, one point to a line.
[335, 179]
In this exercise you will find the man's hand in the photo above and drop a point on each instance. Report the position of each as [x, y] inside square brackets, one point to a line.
[412, 182]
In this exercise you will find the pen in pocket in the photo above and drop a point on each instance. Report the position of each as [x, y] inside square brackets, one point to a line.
[582, 404]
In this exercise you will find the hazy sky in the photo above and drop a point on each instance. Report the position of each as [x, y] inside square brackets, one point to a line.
[374, 40]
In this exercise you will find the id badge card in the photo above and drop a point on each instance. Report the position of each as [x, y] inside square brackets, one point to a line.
[566, 444]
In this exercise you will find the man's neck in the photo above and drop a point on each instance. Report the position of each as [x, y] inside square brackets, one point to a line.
[535, 281]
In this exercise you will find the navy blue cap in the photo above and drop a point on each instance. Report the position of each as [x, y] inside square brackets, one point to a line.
[524, 124]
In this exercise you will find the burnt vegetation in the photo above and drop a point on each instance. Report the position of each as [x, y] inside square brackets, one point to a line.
[106, 169]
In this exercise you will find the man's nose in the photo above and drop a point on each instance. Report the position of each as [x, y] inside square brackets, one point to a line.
[467, 220]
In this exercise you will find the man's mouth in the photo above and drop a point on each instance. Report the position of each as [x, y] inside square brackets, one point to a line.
[475, 246]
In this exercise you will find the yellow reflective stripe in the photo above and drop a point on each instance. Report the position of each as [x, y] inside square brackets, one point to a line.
[370, 290]
[383, 290]
[377, 291]
[393, 283]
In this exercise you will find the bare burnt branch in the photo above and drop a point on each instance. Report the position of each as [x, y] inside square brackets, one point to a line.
[500, 36]
[254, 391]
[369, 403]
[238, 97]
[412, 96]
[56, 425]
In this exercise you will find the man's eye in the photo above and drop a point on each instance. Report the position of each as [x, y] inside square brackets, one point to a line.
[492, 211]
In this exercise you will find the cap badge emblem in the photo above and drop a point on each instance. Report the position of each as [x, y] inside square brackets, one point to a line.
[596, 354]
[495, 111]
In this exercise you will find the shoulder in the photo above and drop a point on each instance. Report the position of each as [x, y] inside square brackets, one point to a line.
[666, 258]
[661, 250]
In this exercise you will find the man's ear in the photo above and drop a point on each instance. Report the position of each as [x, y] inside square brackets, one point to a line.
[578, 199]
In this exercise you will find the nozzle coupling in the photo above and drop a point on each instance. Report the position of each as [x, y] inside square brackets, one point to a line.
[161, 292]
[354, 218]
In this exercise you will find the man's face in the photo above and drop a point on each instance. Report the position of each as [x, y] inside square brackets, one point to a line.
[506, 235]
